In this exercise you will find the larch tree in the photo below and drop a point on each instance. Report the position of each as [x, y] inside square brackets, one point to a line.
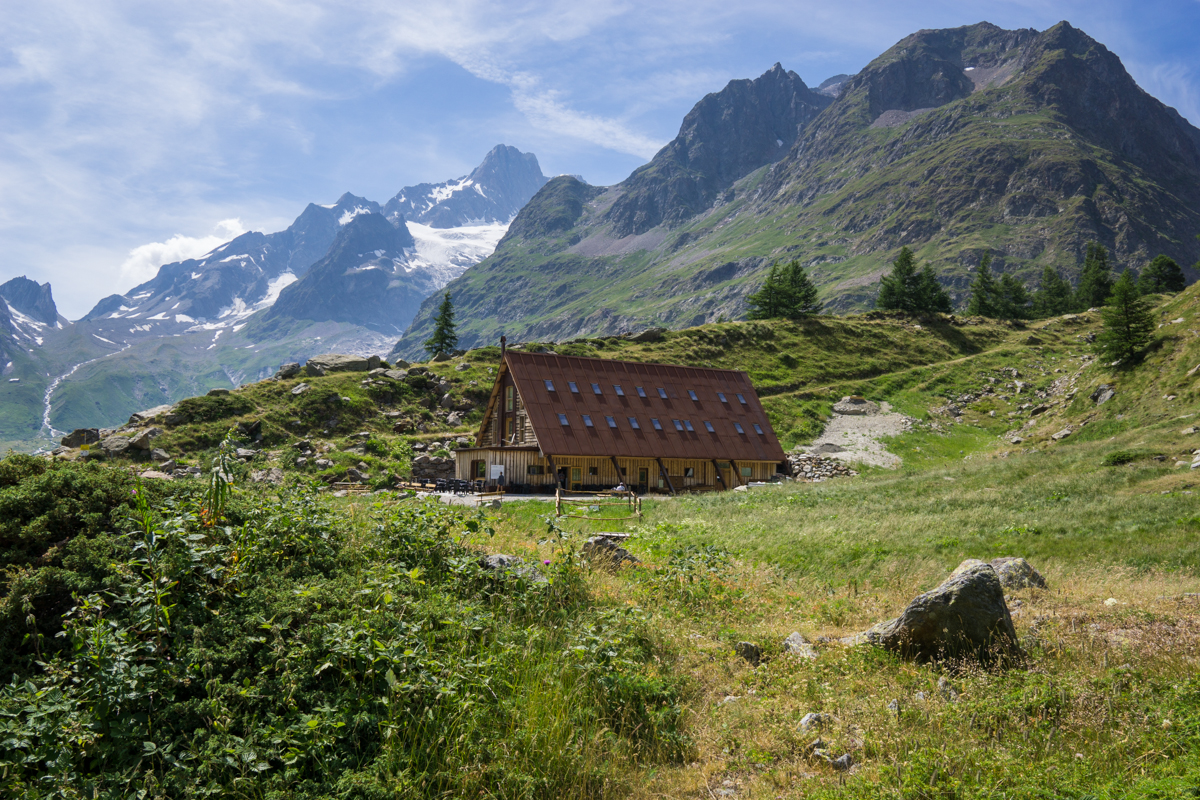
[444, 339]
[1128, 321]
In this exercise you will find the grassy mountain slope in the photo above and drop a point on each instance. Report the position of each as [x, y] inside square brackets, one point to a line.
[1023, 144]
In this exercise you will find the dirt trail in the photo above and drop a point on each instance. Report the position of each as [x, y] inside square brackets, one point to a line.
[858, 436]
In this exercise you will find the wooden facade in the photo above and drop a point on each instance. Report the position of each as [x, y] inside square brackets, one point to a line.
[631, 432]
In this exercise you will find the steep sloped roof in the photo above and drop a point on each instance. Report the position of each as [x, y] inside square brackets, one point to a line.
[531, 371]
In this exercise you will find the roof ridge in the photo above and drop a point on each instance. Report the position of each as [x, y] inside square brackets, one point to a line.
[625, 361]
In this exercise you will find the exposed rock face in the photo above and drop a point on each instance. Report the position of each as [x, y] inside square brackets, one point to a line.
[144, 440]
[31, 299]
[726, 135]
[336, 362]
[432, 468]
[965, 617]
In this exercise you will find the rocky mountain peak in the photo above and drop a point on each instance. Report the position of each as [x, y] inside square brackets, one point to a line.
[371, 233]
[726, 136]
[491, 194]
[31, 299]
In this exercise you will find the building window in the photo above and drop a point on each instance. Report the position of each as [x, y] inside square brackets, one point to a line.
[549, 386]
[758, 429]
[678, 424]
[692, 395]
[596, 388]
[620, 392]
[662, 393]
[633, 423]
[508, 428]
[574, 388]
[593, 471]
[587, 420]
[479, 468]
[689, 472]
[687, 423]
[657, 425]
[562, 420]
[721, 397]
[741, 399]
[508, 399]
[708, 426]
[747, 472]
[641, 392]
[737, 426]
[535, 469]
[612, 423]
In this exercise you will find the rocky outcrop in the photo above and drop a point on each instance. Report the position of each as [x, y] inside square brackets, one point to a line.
[814, 468]
[963, 618]
[81, 436]
[432, 468]
[339, 362]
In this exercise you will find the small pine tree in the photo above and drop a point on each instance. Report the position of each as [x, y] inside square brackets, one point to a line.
[767, 302]
[801, 298]
[1053, 296]
[1162, 275]
[910, 290]
[1128, 321]
[984, 291]
[1095, 281]
[1013, 300]
[444, 339]
[931, 296]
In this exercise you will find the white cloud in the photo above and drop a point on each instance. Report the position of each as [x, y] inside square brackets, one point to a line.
[144, 261]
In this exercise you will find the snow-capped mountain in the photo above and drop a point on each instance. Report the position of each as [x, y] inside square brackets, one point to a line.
[492, 194]
[27, 311]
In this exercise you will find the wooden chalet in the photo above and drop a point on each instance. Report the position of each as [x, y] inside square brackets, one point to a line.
[590, 424]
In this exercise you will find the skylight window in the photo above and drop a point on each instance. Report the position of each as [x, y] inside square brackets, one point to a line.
[641, 392]
[692, 395]
[741, 399]
[620, 392]
[549, 386]
[574, 388]
[562, 420]
[688, 424]
[587, 420]
[758, 429]
[596, 388]
[612, 423]
[678, 425]
[662, 393]
[708, 426]
[721, 397]
[633, 423]
[737, 426]
[657, 425]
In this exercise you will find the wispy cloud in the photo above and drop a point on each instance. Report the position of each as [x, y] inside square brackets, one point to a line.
[144, 260]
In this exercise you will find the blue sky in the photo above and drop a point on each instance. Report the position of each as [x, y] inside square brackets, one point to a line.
[139, 132]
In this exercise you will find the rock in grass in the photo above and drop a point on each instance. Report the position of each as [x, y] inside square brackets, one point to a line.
[502, 565]
[964, 618]
[145, 439]
[855, 406]
[843, 763]
[606, 552]
[813, 721]
[273, 475]
[1014, 572]
[750, 652]
[80, 437]
[300, 388]
[288, 370]
[796, 645]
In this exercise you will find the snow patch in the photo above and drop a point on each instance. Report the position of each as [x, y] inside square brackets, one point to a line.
[447, 252]
[232, 258]
[159, 316]
[183, 317]
[351, 214]
[101, 338]
[196, 276]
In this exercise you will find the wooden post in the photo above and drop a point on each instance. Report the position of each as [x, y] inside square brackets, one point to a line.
[557, 500]
[733, 469]
[719, 476]
[663, 471]
[620, 476]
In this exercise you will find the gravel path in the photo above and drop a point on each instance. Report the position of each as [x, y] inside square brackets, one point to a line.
[859, 436]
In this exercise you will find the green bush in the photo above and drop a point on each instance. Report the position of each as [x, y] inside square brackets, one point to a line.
[1119, 457]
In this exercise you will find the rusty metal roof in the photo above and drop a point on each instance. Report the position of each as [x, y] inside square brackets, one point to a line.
[686, 401]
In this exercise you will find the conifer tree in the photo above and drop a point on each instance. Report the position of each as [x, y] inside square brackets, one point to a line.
[801, 299]
[910, 290]
[983, 302]
[1053, 296]
[1162, 275]
[1128, 322]
[1095, 281]
[444, 339]
[1013, 299]
[767, 302]
[787, 292]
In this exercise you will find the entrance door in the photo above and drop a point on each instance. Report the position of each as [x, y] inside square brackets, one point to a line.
[576, 478]
[643, 483]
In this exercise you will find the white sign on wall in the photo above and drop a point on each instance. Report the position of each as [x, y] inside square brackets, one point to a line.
[497, 471]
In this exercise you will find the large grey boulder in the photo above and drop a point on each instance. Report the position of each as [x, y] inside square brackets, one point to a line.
[338, 362]
[855, 406]
[607, 552]
[141, 417]
[145, 439]
[81, 436]
[964, 618]
[288, 370]
[115, 446]
[1014, 572]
